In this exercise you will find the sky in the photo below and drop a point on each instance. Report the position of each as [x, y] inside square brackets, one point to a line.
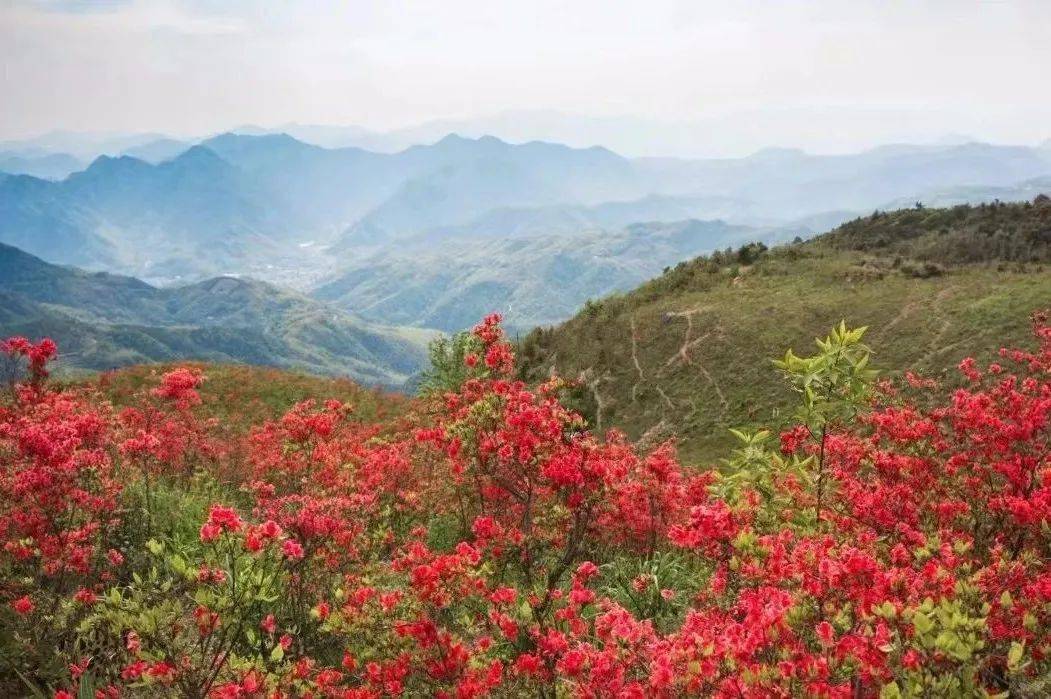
[715, 78]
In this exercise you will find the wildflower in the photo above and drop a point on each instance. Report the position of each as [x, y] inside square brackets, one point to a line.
[23, 605]
[292, 549]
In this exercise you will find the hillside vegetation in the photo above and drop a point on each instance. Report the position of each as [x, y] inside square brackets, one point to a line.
[240, 395]
[686, 354]
[104, 321]
[482, 541]
[531, 281]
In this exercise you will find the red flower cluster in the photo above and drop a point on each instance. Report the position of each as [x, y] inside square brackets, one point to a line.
[486, 543]
[36, 356]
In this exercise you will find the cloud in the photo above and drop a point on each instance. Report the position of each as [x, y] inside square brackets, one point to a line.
[197, 65]
[75, 6]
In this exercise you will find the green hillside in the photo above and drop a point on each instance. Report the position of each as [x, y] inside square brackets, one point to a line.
[533, 280]
[687, 353]
[102, 321]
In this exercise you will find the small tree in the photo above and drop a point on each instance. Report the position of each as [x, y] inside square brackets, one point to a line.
[451, 362]
[834, 384]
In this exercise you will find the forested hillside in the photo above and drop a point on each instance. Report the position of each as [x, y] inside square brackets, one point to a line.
[685, 355]
[530, 280]
[105, 320]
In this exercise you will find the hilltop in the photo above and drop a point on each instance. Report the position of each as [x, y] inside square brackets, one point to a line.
[687, 353]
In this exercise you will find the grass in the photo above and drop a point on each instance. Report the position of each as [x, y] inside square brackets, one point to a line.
[242, 395]
[687, 354]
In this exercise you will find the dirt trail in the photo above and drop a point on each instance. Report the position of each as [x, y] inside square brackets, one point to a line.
[689, 342]
[935, 347]
[635, 359]
[904, 313]
[588, 378]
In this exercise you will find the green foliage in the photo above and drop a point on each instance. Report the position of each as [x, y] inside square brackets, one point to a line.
[748, 254]
[169, 511]
[448, 362]
[658, 588]
[750, 466]
[700, 337]
[834, 383]
[995, 232]
[954, 629]
[171, 610]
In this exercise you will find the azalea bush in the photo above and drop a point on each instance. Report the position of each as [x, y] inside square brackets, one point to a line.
[891, 540]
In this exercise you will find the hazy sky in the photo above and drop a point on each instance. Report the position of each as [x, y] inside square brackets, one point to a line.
[822, 75]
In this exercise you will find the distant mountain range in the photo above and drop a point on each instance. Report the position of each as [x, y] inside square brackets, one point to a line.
[288, 191]
[48, 166]
[430, 234]
[102, 321]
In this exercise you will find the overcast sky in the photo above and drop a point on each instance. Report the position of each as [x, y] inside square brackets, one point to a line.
[827, 76]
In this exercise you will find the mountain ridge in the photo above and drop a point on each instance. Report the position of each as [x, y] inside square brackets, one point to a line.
[111, 320]
[299, 215]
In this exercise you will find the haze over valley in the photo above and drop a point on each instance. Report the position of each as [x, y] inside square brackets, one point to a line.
[436, 235]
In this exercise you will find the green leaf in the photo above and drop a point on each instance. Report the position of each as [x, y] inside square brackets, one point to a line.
[890, 691]
[922, 622]
[277, 654]
[739, 434]
[1014, 656]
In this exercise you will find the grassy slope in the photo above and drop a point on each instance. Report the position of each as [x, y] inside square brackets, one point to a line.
[688, 353]
[241, 395]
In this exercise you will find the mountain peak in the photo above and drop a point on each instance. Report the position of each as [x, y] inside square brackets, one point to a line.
[108, 162]
[231, 146]
[198, 153]
[456, 140]
[199, 160]
[109, 166]
[777, 154]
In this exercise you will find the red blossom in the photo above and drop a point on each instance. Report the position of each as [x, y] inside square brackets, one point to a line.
[23, 605]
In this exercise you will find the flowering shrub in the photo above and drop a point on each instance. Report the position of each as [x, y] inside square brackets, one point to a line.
[890, 541]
